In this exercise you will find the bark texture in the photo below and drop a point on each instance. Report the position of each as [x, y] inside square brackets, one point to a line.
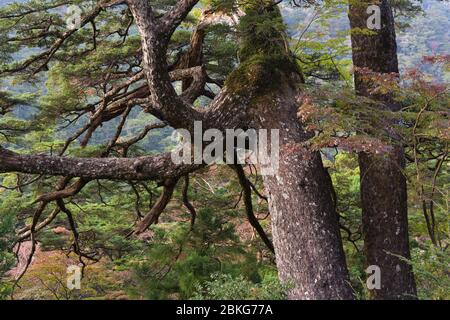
[383, 184]
[307, 241]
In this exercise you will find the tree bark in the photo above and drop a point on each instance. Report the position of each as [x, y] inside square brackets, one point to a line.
[309, 253]
[383, 184]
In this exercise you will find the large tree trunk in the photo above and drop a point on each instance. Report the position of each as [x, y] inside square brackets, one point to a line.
[383, 184]
[308, 247]
[307, 241]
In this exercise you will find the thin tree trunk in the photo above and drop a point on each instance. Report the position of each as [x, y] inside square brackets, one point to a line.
[383, 184]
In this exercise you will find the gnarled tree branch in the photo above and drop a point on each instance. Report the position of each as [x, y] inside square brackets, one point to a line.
[145, 168]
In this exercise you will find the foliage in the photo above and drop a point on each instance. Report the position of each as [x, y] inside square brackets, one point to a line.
[430, 266]
[227, 287]
[179, 259]
[7, 236]
[47, 280]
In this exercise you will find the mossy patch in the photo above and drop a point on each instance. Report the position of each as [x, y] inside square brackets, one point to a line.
[260, 74]
[264, 54]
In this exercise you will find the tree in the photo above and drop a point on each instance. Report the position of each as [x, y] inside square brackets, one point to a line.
[383, 182]
[262, 93]
[6, 257]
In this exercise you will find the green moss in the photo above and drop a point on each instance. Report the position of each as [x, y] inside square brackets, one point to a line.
[260, 73]
[264, 54]
[261, 31]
